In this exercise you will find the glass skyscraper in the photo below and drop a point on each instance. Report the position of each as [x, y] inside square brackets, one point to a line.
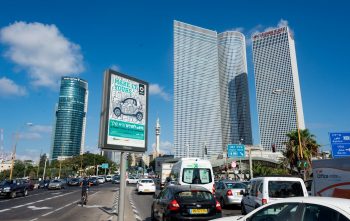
[211, 105]
[70, 119]
[277, 87]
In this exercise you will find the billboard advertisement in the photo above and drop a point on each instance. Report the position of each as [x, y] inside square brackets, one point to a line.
[123, 124]
[340, 143]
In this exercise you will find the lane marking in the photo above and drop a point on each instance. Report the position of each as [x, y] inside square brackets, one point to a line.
[19, 198]
[33, 219]
[4, 210]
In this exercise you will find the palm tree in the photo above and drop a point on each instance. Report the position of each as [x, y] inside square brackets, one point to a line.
[309, 146]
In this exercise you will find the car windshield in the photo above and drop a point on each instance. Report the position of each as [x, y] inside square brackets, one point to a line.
[194, 196]
[196, 176]
[235, 186]
[56, 181]
[283, 189]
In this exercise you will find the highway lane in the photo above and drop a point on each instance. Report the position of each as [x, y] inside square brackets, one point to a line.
[46, 204]
[143, 203]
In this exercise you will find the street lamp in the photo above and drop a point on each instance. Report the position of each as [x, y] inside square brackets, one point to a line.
[15, 147]
[47, 156]
[278, 91]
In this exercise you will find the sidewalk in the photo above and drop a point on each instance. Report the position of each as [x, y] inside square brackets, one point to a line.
[100, 207]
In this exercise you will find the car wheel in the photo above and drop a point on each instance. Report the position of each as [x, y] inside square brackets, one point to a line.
[25, 192]
[117, 111]
[243, 211]
[139, 116]
[127, 182]
[13, 194]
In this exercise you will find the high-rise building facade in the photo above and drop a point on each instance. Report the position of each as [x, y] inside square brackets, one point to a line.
[70, 119]
[277, 85]
[208, 88]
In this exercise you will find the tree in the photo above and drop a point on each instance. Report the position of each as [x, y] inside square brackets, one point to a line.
[310, 149]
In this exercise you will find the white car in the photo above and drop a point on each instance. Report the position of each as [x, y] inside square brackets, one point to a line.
[146, 186]
[299, 209]
[108, 178]
[101, 179]
[132, 180]
[263, 190]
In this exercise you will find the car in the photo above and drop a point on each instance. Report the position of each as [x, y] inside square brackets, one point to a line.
[43, 184]
[130, 107]
[116, 179]
[56, 184]
[108, 178]
[228, 192]
[94, 181]
[132, 180]
[185, 202]
[263, 190]
[299, 209]
[146, 186]
[101, 179]
[29, 183]
[74, 182]
[11, 188]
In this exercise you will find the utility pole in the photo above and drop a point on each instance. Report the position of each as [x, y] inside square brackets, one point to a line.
[47, 156]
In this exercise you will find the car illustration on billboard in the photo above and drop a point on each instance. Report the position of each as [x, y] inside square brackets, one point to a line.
[130, 107]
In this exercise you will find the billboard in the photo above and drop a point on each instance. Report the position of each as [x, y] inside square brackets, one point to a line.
[340, 143]
[123, 123]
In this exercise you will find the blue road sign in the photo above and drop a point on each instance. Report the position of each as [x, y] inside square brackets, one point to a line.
[340, 143]
[235, 151]
[104, 166]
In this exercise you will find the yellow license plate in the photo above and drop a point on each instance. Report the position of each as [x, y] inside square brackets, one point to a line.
[198, 211]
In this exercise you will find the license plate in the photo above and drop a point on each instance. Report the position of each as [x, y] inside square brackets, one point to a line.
[146, 190]
[198, 211]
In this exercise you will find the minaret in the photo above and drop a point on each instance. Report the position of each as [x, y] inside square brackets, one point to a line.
[157, 137]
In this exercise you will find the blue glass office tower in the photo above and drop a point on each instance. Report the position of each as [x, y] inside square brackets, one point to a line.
[69, 129]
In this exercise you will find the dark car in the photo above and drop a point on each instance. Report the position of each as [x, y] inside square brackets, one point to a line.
[11, 188]
[74, 182]
[116, 179]
[185, 203]
[94, 181]
[43, 184]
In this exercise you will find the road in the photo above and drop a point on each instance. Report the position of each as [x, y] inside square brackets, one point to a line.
[59, 204]
[143, 203]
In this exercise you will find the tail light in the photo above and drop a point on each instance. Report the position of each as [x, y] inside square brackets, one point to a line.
[173, 206]
[229, 193]
[218, 206]
[263, 201]
[213, 189]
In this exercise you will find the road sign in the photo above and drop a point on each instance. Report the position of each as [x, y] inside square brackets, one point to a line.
[340, 143]
[104, 166]
[235, 151]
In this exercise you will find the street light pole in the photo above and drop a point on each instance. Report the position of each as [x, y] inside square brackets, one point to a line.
[47, 156]
[15, 147]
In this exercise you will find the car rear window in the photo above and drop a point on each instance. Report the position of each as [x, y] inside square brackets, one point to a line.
[146, 181]
[196, 176]
[283, 189]
[235, 186]
[194, 196]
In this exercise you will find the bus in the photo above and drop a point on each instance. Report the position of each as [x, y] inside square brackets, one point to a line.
[193, 171]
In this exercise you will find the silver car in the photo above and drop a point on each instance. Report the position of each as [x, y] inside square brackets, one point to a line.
[228, 192]
[56, 184]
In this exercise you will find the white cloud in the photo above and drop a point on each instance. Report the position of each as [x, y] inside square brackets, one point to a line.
[10, 88]
[155, 89]
[30, 136]
[42, 51]
[41, 128]
[165, 147]
[115, 67]
[239, 29]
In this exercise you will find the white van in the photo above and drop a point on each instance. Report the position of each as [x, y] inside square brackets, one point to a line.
[193, 171]
[263, 190]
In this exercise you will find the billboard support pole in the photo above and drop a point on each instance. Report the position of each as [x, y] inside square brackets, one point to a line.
[122, 186]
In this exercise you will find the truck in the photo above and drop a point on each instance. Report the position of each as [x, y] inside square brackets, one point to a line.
[165, 173]
[11, 188]
[331, 177]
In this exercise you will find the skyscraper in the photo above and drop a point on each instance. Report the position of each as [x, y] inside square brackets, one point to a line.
[70, 119]
[277, 87]
[211, 105]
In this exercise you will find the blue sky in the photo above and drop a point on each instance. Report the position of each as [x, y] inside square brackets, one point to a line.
[40, 41]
